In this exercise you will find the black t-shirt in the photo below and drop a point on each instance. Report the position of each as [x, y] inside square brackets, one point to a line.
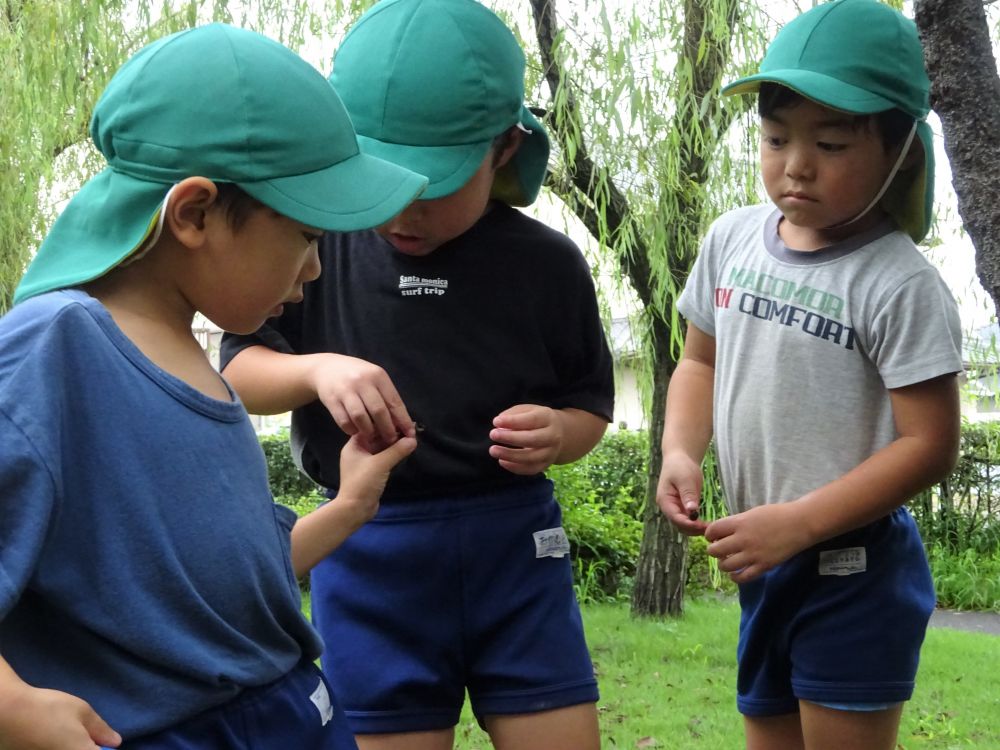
[505, 314]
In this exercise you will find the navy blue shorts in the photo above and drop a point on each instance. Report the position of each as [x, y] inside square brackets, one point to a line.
[436, 596]
[842, 622]
[297, 711]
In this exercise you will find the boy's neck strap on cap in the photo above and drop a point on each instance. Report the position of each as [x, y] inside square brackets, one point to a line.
[152, 237]
[888, 180]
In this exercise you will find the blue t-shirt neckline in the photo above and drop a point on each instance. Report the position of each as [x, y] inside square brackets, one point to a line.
[186, 394]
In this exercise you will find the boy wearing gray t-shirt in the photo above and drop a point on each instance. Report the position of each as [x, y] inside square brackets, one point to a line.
[821, 351]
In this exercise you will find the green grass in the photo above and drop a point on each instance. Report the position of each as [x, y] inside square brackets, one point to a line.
[957, 700]
[671, 684]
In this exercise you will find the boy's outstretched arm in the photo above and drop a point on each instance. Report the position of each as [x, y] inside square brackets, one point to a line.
[687, 431]
[358, 394]
[927, 421]
[37, 719]
[530, 438]
[362, 479]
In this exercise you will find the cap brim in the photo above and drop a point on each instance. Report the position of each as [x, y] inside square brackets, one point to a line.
[447, 168]
[106, 221]
[114, 214]
[358, 193]
[820, 88]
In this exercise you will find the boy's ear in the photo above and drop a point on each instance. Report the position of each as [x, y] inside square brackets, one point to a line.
[510, 148]
[914, 156]
[187, 209]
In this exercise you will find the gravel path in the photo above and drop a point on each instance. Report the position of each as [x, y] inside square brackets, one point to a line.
[977, 622]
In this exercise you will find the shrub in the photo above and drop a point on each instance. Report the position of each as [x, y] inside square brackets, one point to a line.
[602, 496]
[703, 574]
[617, 468]
[966, 579]
[303, 505]
[963, 511]
[283, 475]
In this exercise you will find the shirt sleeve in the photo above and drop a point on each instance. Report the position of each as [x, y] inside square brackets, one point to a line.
[696, 302]
[917, 335]
[581, 352]
[27, 499]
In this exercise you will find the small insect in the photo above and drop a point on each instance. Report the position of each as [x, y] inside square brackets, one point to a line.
[693, 514]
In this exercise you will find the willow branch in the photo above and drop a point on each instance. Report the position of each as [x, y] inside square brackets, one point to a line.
[585, 174]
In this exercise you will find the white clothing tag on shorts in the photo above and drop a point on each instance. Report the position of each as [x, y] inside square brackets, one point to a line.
[842, 562]
[321, 699]
[551, 543]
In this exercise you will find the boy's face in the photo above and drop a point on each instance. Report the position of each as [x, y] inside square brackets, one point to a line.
[424, 226]
[262, 265]
[821, 170]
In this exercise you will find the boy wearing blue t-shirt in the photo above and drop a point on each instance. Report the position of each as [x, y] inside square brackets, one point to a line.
[482, 326]
[148, 582]
[822, 351]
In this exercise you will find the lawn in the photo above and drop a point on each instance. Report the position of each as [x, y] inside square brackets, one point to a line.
[670, 684]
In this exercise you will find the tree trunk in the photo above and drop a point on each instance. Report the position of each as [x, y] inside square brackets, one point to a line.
[965, 92]
[604, 208]
[661, 570]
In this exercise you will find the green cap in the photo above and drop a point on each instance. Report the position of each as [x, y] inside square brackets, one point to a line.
[862, 57]
[230, 105]
[429, 85]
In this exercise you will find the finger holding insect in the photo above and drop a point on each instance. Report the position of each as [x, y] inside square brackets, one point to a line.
[678, 492]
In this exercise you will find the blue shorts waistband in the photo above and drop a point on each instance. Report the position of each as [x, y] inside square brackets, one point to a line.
[533, 492]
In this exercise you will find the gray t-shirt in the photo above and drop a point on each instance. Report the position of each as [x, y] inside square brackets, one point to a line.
[807, 344]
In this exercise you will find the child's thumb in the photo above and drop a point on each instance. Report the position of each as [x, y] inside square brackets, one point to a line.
[400, 449]
[100, 732]
[690, 497]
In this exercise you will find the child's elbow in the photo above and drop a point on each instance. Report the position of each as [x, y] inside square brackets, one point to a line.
[943, 459]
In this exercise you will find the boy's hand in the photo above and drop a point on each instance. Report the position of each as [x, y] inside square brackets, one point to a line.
[528, 438]
[678, 493]
[362, 400]
[749, 544]
[363, 474]
[37, 719]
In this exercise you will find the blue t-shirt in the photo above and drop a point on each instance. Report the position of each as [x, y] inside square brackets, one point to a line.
[144, 566]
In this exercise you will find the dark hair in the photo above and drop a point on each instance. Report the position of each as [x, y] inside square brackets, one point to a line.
[893, 125]
[237, 204]
[501, 142]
